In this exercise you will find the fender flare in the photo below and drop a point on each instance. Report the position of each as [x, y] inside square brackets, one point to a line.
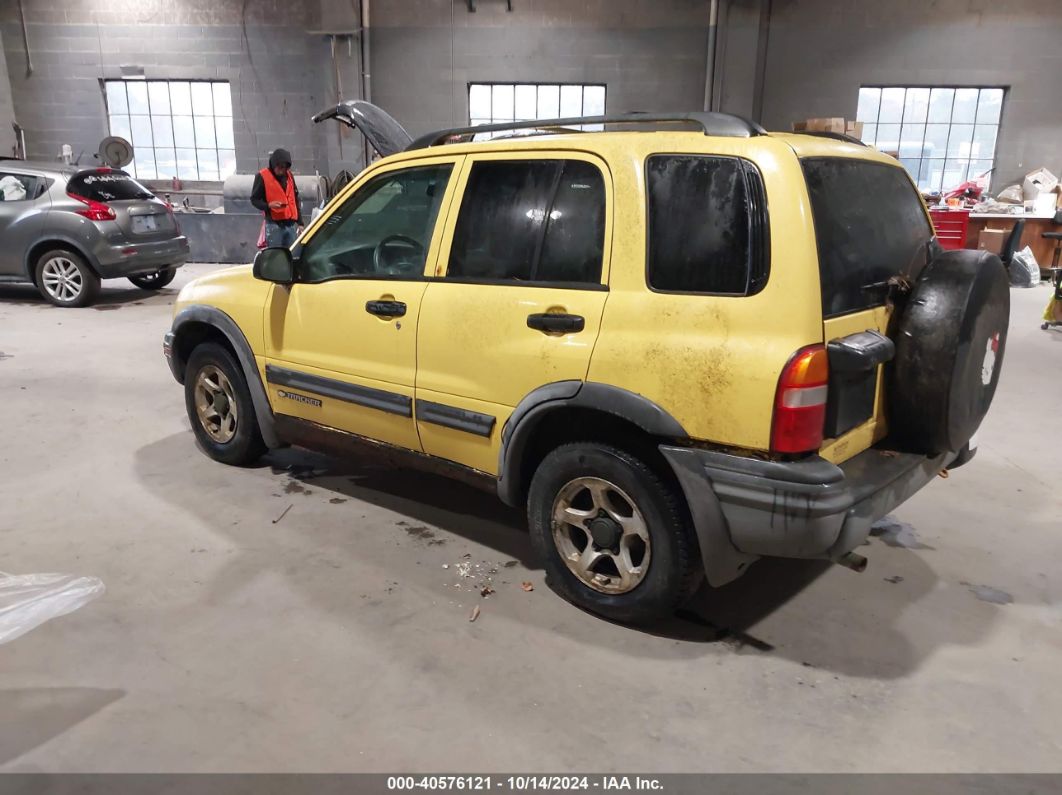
[212, 316]
[59, 240]
[520, 427]
[721, 560]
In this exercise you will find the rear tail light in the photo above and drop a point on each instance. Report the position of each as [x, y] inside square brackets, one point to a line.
[800, 403]
[173, 217]
[94, 210]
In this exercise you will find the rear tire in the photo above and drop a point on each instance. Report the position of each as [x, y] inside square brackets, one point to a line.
[642, 561]
[65, 279]
[220, 407]
[154, 281]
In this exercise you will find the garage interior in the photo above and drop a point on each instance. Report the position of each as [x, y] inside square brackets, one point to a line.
[312, 615]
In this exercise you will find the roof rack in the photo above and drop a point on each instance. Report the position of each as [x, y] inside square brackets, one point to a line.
[834, 135]
[722, 124]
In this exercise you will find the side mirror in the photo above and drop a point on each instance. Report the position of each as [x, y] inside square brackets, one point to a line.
[274, 265]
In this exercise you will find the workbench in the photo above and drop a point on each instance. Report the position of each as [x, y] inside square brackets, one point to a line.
[1035, 226]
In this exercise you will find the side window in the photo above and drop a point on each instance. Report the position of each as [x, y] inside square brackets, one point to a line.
[17, 187]
[531, 221]
[707, 225]
[382, 231]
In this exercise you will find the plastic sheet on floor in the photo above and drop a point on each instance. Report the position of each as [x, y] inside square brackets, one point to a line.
[28, 600]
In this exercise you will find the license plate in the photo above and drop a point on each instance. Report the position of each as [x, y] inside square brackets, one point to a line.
[145, 223]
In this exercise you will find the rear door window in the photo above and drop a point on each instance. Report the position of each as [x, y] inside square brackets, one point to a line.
[108, 186]
[540, 221]
[870, 225]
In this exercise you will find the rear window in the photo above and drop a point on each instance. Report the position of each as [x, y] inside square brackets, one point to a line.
[870, 225]
[707, 225]
[108, 186]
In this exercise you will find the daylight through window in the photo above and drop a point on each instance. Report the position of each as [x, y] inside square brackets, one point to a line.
[177, 128]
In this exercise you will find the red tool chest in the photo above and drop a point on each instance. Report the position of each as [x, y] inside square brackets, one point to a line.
[951, 226]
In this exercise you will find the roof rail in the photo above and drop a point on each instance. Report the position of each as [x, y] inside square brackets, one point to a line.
[834, 135]
[722, 124]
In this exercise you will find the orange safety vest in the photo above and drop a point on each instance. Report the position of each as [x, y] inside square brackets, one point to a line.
[275, 193]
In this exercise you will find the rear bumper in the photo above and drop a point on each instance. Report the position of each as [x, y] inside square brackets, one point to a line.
[804, 509]
[129, 259]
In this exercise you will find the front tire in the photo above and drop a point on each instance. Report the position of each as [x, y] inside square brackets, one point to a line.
[65, 279]
[154, 281]
[220, 408]
[613, 535]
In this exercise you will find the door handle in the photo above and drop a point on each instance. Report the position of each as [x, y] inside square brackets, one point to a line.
[549, 322]
[385, 308]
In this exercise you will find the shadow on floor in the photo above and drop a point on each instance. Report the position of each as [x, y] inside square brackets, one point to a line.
[809, 612]
[114, 294]
[30, 717]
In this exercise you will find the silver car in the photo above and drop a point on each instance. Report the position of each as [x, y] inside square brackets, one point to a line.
[64, 228]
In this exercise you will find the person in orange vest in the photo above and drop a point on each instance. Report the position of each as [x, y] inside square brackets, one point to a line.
[274, 193]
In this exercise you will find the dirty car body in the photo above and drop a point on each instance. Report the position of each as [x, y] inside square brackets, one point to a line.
[681, 350]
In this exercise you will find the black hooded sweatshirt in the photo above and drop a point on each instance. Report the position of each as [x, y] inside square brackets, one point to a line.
[258, 197]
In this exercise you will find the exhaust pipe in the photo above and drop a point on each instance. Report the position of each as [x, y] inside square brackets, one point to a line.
[853, 561]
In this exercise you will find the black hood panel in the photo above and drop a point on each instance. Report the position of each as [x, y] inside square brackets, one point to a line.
[380, 129]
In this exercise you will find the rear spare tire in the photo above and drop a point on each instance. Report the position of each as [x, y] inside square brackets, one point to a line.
[950, 340]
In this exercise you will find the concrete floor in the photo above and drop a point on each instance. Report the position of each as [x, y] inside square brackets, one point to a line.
[335, 639]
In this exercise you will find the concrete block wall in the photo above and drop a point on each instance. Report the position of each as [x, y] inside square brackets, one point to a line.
[649, 53]
[273, 65]
[820, 52]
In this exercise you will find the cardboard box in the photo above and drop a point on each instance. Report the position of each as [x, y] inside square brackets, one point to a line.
[992, 240]
[834, 124]
[1037, 182]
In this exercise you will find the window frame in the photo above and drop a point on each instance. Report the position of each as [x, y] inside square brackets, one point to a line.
[994, 159]
[169, 117]
[602, 285]
[442, 221]
[759, 226]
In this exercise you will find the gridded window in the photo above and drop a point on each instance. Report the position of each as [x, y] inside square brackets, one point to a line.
[943, 136]
[177, 128]
[496, 103]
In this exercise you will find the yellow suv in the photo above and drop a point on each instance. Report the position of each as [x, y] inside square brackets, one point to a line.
[681, 342]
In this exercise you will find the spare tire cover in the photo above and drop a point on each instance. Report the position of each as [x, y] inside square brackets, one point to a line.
[950, 339]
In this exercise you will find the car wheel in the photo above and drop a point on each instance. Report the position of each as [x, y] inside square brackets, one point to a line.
[613, 535]
[65, 279]
[950, 340]
[154, 281]
[220, 408]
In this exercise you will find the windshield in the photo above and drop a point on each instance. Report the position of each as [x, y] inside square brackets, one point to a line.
[108, 186]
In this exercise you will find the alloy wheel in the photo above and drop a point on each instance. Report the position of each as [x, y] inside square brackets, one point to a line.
[215, 404]
[601, 535]
[62, 279]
